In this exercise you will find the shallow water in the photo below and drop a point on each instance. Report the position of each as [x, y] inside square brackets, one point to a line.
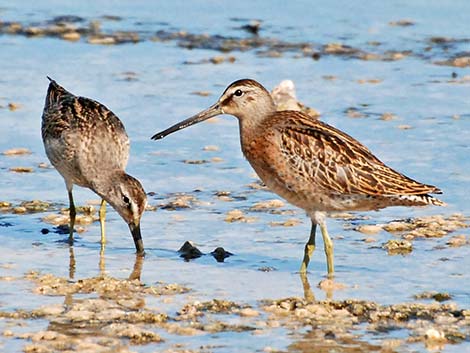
[419, 92]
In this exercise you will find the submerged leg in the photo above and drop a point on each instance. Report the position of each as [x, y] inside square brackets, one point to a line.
[136, 272]
[102, 219]
[73, 213]
[309, 248]
[328, 249]
[71, 263]
[308, 293]
[102, 263]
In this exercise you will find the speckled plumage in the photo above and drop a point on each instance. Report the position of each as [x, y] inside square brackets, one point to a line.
[89, 147]
[309, 163]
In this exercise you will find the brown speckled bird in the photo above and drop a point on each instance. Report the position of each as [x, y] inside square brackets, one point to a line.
[311, 164]
[89, 147]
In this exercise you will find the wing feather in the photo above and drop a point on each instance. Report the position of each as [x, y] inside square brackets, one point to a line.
[333, 160]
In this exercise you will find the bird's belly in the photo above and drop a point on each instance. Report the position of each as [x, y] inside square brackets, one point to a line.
[312, 198]
[62, 157]
[294, 191]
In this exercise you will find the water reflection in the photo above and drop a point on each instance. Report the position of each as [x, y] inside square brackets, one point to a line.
[328, 286]
[320, 341]
[308, 293]
[134, 275]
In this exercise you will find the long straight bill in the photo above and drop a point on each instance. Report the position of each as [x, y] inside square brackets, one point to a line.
[204, 115]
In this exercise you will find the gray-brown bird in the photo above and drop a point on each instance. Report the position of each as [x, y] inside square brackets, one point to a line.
[89, 147]
[311, 164]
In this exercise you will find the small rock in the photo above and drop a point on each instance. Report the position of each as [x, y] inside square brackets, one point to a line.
[36, 205]
[435, 335]
[371, 81]
[390, 345]
[79, 315]
[457, 240]
[388, 117]
[266, 205]
[4, 205]
[463, 61]
[217, 59]
[195, 161]
[50, 310]
[354, 113]
[101, 40]
[437, 296]
[16, 152]
[13, 106]
[248, 312]
[402, 23]
[368, 229]
[201, 93]
[7, 333]
[19, 210]
[397, 226]
[238, 216]
[179, 202]
[369, 240]
[211, 148]
[21, 169]
[288, 223]
[395, 247]
[47, 336]
[404, 127]
[136, 334]
[71, 36]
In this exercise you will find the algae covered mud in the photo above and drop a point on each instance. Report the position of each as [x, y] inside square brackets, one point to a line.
[395, 76]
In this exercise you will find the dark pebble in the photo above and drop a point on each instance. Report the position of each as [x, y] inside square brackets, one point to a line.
[316, 56]
[67, 18]
[189, 252]
[220, 254]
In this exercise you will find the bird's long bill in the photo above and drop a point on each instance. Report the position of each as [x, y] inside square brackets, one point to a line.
[204, 115]
[139, 245]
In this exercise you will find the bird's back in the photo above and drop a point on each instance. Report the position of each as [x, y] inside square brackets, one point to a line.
[83, 139]
[314, 165]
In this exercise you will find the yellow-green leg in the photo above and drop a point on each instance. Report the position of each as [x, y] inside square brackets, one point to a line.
[102, 219]
[309, 248]
[72, 213]
[328, 249]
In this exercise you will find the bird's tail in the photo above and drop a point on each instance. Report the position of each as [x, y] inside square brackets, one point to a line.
[420, 200]
[54, 92]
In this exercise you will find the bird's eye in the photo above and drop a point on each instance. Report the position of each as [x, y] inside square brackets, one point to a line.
[126, 199]
[238, 93]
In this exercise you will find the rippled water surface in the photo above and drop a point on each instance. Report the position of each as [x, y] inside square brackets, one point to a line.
[422, 95]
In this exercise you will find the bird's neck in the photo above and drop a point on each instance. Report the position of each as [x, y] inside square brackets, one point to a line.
[251, 119]
[104, 185]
